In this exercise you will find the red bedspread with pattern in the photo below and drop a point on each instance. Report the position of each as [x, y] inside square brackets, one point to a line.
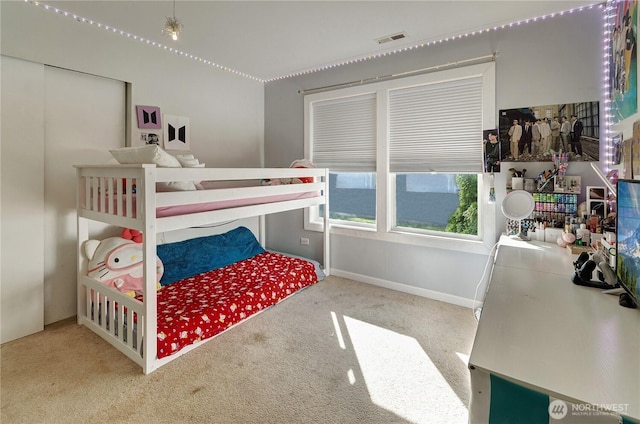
[203, 306]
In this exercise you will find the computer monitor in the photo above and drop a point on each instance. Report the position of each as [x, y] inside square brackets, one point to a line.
[628, 241]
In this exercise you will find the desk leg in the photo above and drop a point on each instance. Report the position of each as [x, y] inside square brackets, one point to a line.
[495, 400]
[480, 396]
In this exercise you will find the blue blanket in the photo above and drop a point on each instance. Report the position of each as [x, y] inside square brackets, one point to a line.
[191, 257]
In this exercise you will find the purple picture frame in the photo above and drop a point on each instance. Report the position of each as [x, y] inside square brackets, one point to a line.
[149, 117]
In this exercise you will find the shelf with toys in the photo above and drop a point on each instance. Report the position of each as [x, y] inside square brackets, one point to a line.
[566, 207]
[554, 201]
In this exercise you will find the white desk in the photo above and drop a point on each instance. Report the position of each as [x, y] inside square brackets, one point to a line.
[540, 331]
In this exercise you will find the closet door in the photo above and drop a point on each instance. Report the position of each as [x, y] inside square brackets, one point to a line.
[84, 118]
[21, 198]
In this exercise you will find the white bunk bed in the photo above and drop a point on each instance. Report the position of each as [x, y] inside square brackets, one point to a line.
[105, 193]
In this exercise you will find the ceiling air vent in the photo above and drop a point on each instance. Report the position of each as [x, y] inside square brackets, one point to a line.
[392, 37]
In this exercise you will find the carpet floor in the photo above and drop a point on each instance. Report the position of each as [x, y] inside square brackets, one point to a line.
[338, 352]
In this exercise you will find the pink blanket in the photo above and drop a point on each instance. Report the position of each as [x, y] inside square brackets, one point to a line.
[166, 211]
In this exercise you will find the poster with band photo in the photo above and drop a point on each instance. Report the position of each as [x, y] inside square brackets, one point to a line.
[534, 133]
[492, 150]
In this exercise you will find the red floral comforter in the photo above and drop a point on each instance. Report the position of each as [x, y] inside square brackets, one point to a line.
[203, 306]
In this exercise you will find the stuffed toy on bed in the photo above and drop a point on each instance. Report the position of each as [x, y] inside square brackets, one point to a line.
[303, 163]
[117, 262]
[300, 163]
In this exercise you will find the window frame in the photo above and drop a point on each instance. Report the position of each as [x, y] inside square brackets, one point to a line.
[385, 180]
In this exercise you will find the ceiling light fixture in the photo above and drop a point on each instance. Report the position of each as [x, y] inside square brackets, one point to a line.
[173, 26]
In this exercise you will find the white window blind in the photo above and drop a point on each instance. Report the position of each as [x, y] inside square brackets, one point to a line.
[436, 127]
[343, 133]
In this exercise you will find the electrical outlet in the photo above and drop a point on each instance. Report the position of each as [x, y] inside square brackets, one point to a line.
[304, 240]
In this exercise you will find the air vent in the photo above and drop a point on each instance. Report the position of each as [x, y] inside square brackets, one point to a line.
[392, 37]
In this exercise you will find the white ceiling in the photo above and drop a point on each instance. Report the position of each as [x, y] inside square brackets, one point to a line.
[273, 39]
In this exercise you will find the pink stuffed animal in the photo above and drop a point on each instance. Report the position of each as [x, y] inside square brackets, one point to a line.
[300, 163]
[303, 163]
[117, 262]
[133, 235]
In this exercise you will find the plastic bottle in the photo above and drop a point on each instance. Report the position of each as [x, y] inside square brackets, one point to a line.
[583, 236]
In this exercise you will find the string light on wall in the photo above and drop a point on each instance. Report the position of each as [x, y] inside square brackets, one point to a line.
[432, 43]
[609, 19]
[131, 36]
[309, 71]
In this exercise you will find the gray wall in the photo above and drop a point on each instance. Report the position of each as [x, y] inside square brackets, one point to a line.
[549, 61]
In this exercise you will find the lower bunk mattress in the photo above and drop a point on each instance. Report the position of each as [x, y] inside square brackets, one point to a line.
[200, 307]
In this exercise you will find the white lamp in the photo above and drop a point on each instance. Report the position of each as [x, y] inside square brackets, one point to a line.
[605, 180]
[518, 205]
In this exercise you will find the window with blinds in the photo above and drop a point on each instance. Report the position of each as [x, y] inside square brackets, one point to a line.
[436, 127]
[344, 133]
[408, 150]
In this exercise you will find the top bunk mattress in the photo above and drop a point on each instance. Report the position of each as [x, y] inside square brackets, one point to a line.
[166, 211]
[119, 203]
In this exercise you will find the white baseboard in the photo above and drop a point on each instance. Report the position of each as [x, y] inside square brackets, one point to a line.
[430, 294]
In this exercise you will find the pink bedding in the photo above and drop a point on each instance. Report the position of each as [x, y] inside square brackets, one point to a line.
[211, 206]
[167, 211]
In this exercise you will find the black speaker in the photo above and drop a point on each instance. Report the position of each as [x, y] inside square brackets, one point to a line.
[584, 274]
[582, 258]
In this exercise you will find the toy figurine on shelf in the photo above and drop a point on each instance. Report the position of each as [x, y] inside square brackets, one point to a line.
[518, 174]
[545, 176]
[517, 179]
[609, 223]
[561, 162]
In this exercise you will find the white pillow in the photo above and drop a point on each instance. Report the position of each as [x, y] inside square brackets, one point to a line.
[176, 186]
[189, 161]
[148, 154]
[182, 158]
[154, 154]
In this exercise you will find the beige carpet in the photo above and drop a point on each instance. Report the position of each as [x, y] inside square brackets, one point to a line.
[338, 352]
